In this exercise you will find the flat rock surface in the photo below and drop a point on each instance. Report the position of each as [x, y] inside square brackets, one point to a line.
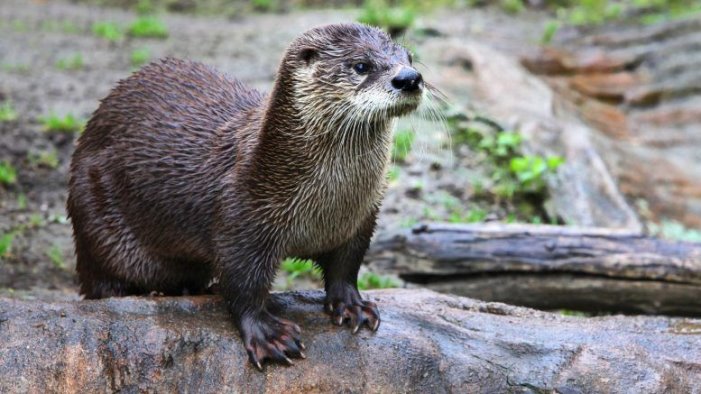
[427, 343]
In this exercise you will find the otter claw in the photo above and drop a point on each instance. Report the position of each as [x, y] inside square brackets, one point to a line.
[357, 315]
[267, 337]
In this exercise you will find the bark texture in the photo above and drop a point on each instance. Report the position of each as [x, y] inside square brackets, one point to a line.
[427, 343]
[548, 267]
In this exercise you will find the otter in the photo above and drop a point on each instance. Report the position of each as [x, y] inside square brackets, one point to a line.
[184, 175]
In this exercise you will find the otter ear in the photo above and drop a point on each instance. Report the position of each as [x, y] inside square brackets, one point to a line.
[308, 55]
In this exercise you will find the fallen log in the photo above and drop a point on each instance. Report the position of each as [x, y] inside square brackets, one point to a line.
[428, 342]
[548, 267]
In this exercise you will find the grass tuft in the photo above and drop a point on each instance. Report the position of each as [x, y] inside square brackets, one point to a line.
[47, 159]
[6, 244]
[7, 112]
[8, 173]
[109, 31]
[140, 56]
[73, 62]
[371, 280]
[395, 19]
[403, 140]
[148, 26]
[68, 123]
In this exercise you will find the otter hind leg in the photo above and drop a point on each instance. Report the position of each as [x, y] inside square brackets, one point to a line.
[96, 281]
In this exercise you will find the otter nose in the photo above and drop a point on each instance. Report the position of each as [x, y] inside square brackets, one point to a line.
[407, 80]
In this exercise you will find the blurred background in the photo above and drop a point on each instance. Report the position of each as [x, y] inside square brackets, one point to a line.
[566, 113]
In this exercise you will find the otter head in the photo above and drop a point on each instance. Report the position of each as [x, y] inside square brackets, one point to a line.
[350, 73]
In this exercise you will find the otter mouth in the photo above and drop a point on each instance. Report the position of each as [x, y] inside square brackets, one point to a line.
[405, 105]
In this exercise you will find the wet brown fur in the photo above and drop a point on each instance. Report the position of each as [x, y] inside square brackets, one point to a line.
[184, 175]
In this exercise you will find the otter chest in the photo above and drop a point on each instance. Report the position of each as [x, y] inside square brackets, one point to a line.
[336, 199]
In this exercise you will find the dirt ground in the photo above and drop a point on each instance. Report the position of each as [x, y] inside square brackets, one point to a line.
[35, 36]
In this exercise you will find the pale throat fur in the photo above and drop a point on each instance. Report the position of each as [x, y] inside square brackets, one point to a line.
[339, 155]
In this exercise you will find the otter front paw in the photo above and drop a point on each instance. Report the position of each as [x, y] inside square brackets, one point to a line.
[268, 337]
[347, 306]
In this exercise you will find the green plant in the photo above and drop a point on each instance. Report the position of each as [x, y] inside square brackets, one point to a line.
[395, 19]
[68, 123]
[474, 215]
[7, 112]
[295, 268]
[675, 231]
[403, 139]
[48, 158]
[573, 313]
[16, 68]
[67, 27]
[515, 182]
[512, 6]
[549, 32]
[408, 222]
[20, 26]
[109, 31]
[8, 173]
[531, 170]
[264, 5]
[60, 219]
[393, 173]
[148, 27]
[145, 7]
[36, 220]
[56, 256]
[371, 280]
[589, 12]
[140, 57]
[6, 244]
[21, 201]
[73, 62]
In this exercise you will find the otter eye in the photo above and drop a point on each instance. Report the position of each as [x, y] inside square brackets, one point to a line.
[361, 68]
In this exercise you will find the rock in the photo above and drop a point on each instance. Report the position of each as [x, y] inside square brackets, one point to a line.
[611, 86]
[584, 192]
[639, 88]
[427, 343]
